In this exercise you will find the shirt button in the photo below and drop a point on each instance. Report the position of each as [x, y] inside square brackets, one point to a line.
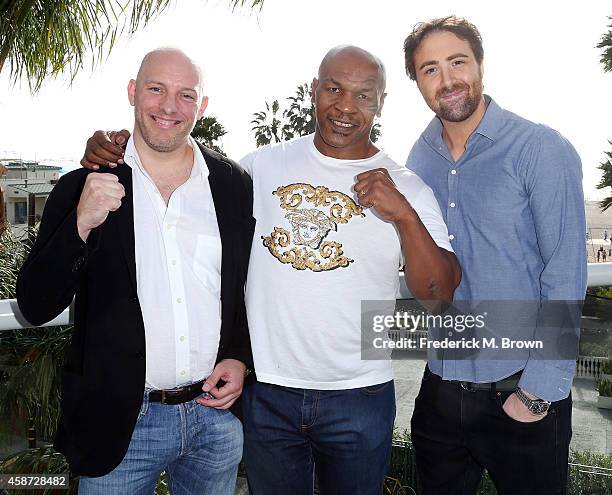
[452, 205]
[168, 226]
[173, 262]
[451, 237]
[453, 171]
[182, 373]
[179, 300]
[182, 338]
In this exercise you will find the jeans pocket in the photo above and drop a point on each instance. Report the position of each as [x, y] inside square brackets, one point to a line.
[144, 407]
[501, 398]
[376, 389]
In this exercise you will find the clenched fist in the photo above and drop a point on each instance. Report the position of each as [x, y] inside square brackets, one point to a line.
[375, 189]
[101, 195]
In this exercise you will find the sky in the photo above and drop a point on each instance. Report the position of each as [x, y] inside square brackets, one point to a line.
[540, 62]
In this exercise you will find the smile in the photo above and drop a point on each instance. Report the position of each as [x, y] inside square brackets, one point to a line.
[454, 95]
[165, 122]
[346, 125]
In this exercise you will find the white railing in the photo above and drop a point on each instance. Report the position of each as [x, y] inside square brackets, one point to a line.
[10, 317]
[589, 367]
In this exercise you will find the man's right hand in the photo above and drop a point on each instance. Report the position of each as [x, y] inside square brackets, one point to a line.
[101, 195]
[105, 148]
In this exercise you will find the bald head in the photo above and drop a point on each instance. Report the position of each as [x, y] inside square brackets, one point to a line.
[353, 55]
[348, 94]
[166, 55]
[167, 98]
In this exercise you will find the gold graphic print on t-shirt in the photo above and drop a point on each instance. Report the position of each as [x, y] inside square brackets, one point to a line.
[312, 213]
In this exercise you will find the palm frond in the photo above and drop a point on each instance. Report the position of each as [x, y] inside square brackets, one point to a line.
[45, 38]
[606, 44]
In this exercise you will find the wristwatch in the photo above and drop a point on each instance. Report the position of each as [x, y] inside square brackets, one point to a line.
[536, 406]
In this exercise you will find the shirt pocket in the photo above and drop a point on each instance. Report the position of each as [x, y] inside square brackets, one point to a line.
[207, 262]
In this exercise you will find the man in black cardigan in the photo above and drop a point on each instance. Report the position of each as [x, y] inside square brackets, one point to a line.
[155, 255]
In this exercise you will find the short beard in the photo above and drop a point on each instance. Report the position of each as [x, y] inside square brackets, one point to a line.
[159, 146]
[465, 109]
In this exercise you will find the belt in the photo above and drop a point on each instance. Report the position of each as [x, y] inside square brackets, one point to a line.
[177, 395]
[508, 384]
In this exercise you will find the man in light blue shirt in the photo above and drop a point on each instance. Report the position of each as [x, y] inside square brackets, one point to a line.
[511, 195]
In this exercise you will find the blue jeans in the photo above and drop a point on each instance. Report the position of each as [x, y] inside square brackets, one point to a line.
[199, 448]
[345, 435]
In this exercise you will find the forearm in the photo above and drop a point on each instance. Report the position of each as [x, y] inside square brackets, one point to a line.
[432, 274]
[48, 279]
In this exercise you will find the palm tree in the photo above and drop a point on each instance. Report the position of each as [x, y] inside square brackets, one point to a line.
[208, 131]
[267, 125]
[606, 44]
[298, 119]
[606, 179]
[41, 38]
[606, 166]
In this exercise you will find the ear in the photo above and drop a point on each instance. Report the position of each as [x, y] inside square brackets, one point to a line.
[481, 69]
[380, 106]
[313, 88]
[131, 91]
[203, 106]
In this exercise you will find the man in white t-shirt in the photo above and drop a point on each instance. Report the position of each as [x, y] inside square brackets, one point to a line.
[336, 218]
[334, 214]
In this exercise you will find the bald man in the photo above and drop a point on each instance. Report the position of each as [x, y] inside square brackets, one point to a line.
[317, 403]
[335, 218]
[155, 255]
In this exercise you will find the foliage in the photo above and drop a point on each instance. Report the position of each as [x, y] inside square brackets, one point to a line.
[50, 37]
[298, 119]
[13, 252]
[208, 131]
[30, 358]
[30, 362]
[606, 178]
[584, 476]
[43, 460]
[606, 44]
[605, 388]
[606, 367]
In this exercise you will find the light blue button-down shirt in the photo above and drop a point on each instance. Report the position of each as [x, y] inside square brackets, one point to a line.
[514, 207]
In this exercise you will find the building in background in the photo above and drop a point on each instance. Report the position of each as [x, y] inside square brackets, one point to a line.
[25, 188]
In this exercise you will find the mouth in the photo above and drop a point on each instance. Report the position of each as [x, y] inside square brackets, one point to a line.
[165, 123]
[453, 95]
[342, 125]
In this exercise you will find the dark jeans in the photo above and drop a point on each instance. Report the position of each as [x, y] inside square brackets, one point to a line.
[456, 433]
[346, 434]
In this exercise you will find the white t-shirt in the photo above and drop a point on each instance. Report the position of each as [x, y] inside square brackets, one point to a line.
[316, 255]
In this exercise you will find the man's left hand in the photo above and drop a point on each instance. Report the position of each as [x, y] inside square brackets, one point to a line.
[375, 189]
[231, 371]
[518, 411]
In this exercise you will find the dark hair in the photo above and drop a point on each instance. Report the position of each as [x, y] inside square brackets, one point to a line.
[459, 26]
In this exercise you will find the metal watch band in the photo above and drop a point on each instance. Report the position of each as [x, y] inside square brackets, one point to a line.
[536, 406]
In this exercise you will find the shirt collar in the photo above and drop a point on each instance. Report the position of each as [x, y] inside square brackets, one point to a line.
[489, 125]
[200, 167]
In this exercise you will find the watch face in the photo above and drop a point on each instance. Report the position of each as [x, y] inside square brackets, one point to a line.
[538, 407]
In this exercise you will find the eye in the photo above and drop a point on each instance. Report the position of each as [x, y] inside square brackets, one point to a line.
[363, 96]
[458, 62]
[429, 71]
[188, 96]
[334, 90]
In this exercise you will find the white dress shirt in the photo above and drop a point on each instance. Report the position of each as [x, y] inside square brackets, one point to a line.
[178, 274]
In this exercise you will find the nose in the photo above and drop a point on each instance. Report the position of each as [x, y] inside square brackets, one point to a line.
[345, 103]
[168, 103]
[445, 77]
